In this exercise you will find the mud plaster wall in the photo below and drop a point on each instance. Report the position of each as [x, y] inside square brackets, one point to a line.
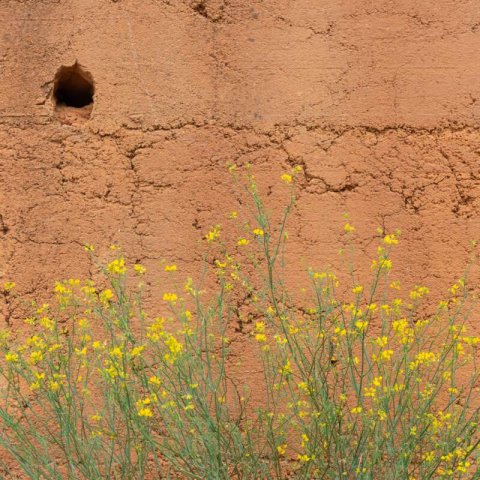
[378, 100]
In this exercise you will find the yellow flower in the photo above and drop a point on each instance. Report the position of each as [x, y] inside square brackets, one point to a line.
[442, 304]
[340, 331]
[88, 248]
[139, 269]
[156, 330]
[282, 449]
[377, 381]
[43, 308]
[382, 415]
[303, 386]
[116, 352]
[371, 307]
[154, 380]
[47, 323]
[145, 412]
[106, 296]
[390, 239]
[137, 351]
[171, 268]
[386, 355]
[403, 330]
[220, 265]
[370, 392]
[423, 358]
[304, 458]
[188, 287]
[173, 344]
[463, 467]
[356, 410]
[260, 337]
[386, 264]
[258, 232]
[170, 297]
[8, 286]
[395, 285]
[348, 228]
[286, 369]
[471, 340]
[11, 357]
[175, 349]
[429, 456]
[54, 386]
[292, 329]
[361, 325]
[419, 292]
[213, 234]
[242, 242]
[357, 289]
[117, 266]
[287, 178]
[35, 357]
[381, 341]
[34, 386]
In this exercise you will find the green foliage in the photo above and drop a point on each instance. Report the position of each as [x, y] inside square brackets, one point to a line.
[358, 382]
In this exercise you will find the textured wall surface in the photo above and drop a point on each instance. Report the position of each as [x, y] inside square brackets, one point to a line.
[379, 101]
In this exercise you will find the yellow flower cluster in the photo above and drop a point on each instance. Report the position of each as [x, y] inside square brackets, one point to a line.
[403, 330]
[174, 348]
[419, 292]
[423, 358]
[170, 297]
[260, 335]
[9, 286]
[139, 269]
[214, 234]
[117, 266]
[143, 408]
[286, 369]
[289, 177]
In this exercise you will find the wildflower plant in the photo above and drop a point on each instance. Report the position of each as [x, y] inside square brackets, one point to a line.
[358, 382]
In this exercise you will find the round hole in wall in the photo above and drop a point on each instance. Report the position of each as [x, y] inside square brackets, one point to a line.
[73, 87]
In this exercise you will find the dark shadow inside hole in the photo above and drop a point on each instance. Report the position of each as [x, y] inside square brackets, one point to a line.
[73, 87]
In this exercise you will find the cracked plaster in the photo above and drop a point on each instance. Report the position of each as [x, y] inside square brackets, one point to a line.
[378, 103]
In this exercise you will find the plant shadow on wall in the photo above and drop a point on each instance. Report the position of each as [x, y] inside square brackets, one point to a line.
[357, 384]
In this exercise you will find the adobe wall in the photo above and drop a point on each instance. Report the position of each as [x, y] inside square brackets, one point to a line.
[379, 101]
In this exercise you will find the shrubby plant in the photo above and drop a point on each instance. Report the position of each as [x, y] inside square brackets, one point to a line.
[359, 382]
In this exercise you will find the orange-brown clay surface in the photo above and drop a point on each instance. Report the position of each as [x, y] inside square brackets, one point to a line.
[379, 101]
